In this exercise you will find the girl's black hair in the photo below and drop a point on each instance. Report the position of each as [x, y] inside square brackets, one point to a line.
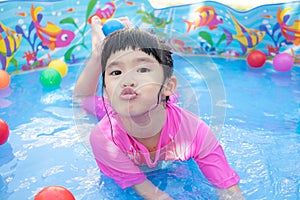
[137, 39]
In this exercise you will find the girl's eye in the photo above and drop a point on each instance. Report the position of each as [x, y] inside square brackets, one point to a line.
[115, 73]
[143, 70]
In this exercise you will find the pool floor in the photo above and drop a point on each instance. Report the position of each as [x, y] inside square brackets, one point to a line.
[254, 113]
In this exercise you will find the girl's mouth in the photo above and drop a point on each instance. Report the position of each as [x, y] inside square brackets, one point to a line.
[128, 94]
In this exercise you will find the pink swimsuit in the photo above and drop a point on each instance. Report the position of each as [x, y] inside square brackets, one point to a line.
[184, 136]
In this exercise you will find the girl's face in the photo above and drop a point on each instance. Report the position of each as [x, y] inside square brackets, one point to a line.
[133, 80]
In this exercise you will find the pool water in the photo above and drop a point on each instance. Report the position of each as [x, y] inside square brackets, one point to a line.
[254, 113]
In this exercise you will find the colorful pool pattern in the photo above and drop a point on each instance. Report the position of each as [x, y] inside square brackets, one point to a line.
[35, 32]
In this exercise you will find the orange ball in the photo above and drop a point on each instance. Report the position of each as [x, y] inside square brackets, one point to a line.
[4, 79]
[54, 192]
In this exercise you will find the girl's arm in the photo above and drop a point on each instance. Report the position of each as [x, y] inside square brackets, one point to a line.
[212, 162]
[233, 193]
[149, 191]
[87, 83]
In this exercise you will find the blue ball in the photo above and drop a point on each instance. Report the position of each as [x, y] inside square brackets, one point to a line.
[111, 25]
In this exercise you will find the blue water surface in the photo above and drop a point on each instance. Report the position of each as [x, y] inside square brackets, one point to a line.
[254, 113]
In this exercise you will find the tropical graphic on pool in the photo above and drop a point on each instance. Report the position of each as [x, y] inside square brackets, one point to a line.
[35, 32]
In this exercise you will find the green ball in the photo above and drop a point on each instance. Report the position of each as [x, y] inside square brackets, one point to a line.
[50, 78]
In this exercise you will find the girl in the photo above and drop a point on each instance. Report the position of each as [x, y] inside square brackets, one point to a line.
[141, 126]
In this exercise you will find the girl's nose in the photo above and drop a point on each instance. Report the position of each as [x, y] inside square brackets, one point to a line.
[129, 84]
[129, 81]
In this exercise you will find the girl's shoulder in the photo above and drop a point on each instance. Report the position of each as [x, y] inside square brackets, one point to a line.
[182, 121]
[180, 114]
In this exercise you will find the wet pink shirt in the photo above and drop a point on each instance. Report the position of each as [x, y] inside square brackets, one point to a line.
[184, 136]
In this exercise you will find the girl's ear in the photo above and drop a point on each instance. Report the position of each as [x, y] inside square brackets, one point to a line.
[170, 86]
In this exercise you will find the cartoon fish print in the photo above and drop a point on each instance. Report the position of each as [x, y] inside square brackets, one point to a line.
[21, 14]
[51, 36]
[131, 3]
[248, 38]
[9, 43]
[267, 16]
[104, 13]
[70, 10]
[292, 32]
[206, 16]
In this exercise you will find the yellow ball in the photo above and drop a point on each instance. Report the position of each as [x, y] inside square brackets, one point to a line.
[60, 66]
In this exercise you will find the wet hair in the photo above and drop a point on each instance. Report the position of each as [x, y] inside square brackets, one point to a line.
[137, 39]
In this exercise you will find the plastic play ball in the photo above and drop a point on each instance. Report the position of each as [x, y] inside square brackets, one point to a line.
[54, 193]
[283, 62]
[60, 66]
[4, 131]
[4, 79]
[256, 59]
[50, 77]
[111, 25]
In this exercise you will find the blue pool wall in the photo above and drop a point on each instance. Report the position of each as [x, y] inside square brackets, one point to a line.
[269, 28]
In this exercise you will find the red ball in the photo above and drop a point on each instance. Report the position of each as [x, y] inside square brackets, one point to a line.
[4, 131]
[256, 59]
[54, 192]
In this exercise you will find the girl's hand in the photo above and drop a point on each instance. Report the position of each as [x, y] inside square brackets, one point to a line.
[150, 192]
[97, 34]
[125, 21]
[232, 193]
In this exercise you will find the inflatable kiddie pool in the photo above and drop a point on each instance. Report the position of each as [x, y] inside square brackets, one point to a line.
[253, 111]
